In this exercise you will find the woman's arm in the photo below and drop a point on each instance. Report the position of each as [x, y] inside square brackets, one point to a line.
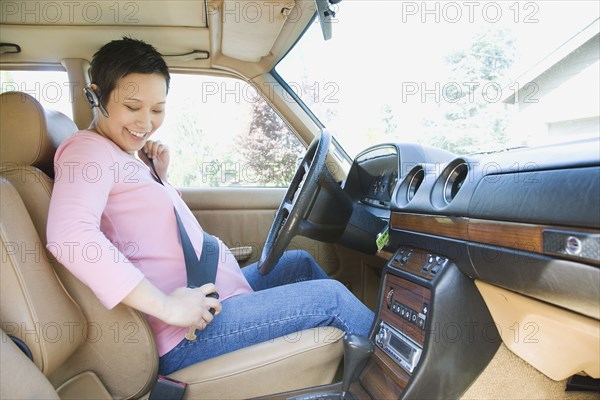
[183, 307]
[84, 178]
[74, 237]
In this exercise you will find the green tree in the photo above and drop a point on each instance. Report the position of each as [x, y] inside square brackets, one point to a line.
[185, 163]
[269, 149]
[472, 118]
[488, 58]
[6, 78]
[389, 120]
[192, 159]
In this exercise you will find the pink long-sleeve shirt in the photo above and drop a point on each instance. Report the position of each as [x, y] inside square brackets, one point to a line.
[111, 224]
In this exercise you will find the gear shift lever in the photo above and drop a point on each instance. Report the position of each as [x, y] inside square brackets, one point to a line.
[357, 351]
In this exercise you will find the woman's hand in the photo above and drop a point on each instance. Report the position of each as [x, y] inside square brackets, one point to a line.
[187, 307]
[159, 153]
[184, 307]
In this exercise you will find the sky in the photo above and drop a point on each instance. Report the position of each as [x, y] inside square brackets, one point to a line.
[380, 48]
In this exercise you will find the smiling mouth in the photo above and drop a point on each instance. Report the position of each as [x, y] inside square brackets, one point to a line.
[137, 134]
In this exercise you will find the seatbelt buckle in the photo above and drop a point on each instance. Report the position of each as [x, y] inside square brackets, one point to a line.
[167, 389]
[191, 333]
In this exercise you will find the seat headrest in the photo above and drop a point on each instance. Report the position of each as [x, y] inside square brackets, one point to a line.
[29, 134]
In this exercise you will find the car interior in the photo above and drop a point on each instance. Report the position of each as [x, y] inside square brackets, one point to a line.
[482, 268]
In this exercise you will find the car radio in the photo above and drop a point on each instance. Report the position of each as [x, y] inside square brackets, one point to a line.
[398, 346]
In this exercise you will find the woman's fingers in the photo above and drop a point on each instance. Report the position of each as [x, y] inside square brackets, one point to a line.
[159, 154]
[192, 306]
[212, 296]
[154, 149]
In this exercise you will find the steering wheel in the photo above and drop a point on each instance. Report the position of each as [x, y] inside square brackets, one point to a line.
[297, 202]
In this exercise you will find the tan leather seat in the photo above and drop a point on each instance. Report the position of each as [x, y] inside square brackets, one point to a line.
[81, 347]
[90, 337]
[21, 370]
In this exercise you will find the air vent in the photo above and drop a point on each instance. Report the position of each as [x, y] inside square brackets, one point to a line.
[410, 185]
[454, 182]
[449, 183]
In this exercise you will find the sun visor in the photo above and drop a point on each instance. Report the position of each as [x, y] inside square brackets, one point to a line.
[250, 28]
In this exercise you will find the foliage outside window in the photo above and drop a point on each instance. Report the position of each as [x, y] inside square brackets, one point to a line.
[446, 73]
[221, 132]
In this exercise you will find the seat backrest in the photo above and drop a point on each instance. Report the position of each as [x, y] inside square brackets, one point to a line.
[117, 345]
[33, 304]
[29, 136]
[22, 381]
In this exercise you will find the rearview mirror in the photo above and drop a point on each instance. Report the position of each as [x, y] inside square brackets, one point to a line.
[326, 16]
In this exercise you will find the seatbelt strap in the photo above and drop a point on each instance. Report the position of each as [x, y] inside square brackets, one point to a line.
[199, 272]
[203, 270]
[22, 346]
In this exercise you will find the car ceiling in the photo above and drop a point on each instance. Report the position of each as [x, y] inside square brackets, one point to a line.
[245, 37]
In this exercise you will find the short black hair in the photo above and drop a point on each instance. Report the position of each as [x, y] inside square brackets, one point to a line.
[122, 57]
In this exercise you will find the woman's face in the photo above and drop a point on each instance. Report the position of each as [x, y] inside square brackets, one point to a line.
[136, 109]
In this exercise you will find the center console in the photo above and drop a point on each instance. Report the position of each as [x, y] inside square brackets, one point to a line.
[401, 332]
[433, 333]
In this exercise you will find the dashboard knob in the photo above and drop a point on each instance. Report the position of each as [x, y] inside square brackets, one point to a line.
[389, 297]
[382, 336]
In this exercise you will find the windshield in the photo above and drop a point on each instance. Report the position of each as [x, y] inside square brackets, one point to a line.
[464, 76]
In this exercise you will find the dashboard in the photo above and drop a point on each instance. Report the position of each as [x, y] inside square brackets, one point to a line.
[526, 221]
[377, 171]
[541, 202]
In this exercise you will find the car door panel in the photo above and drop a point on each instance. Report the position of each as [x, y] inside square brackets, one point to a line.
[242, 217]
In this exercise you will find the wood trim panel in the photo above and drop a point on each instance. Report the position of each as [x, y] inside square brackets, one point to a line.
[357, 391]
[382, 378]
[454, 227]
[514, 235]
[408, 294]
[507, 234]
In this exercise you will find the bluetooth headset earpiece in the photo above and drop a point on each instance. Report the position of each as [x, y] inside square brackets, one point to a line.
[94, 99]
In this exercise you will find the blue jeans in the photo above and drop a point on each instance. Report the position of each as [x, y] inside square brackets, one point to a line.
[296, 295]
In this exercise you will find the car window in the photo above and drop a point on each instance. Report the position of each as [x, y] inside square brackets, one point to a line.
[51, 88]
[221, 132]
[464, 76]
